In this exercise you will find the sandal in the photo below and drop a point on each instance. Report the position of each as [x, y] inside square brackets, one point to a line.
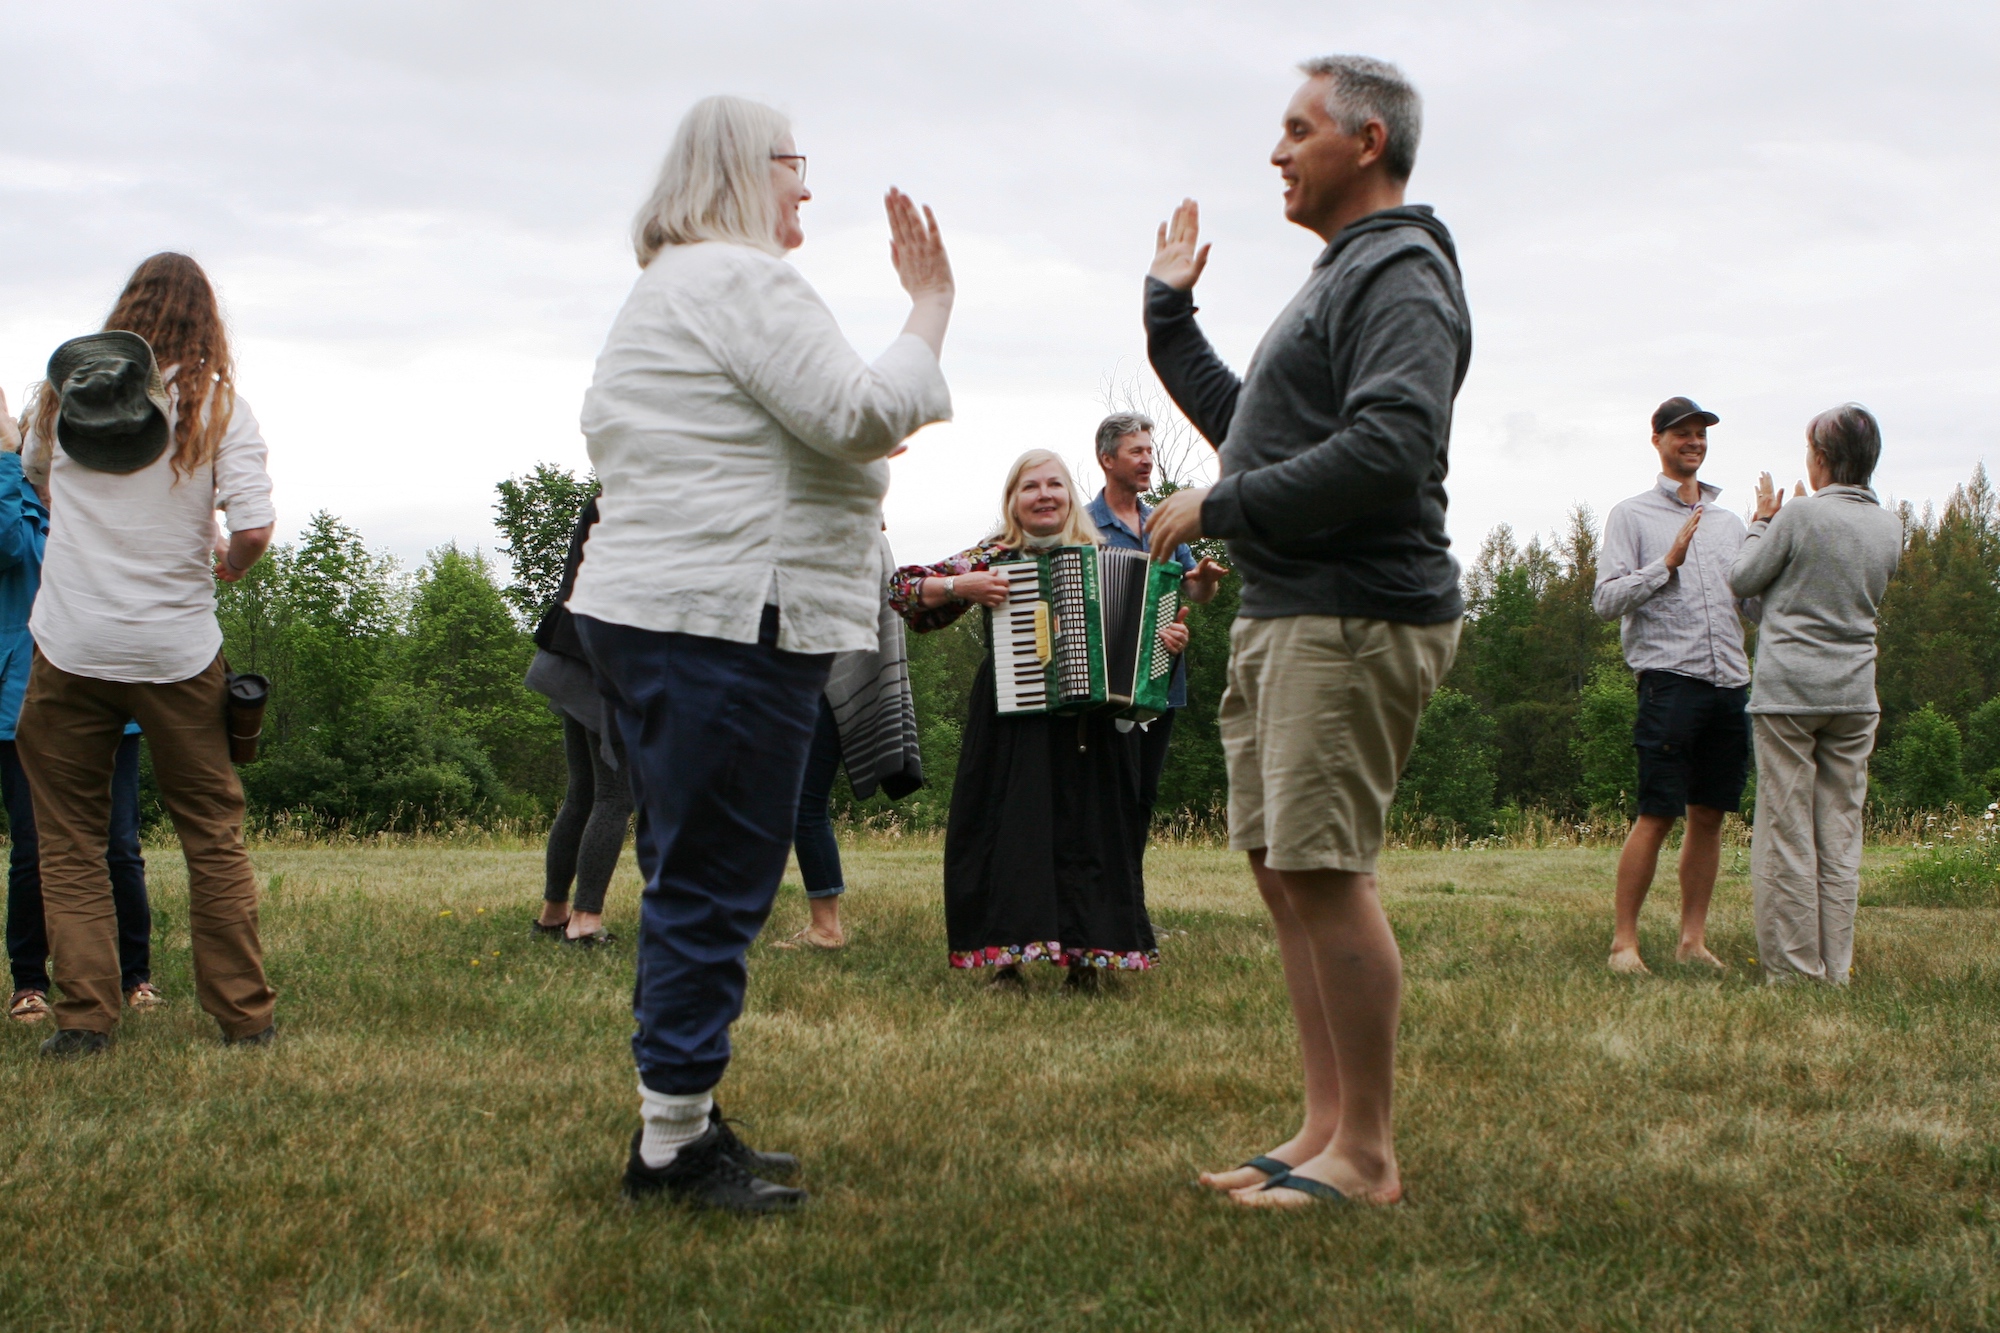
[597, 939]
[145, 995]
[542, 932]
[28, 1006]
[1306, 1185]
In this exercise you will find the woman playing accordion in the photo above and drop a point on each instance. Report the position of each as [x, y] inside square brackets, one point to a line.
[1039, 861]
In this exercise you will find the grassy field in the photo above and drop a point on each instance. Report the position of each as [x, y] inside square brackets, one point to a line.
[435, 1142]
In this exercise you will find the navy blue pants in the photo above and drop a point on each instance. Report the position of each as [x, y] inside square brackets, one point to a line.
[27, 939]
[716, 735]
[818, 849]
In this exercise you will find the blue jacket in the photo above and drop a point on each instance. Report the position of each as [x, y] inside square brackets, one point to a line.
[24, 528]
[1115, 533]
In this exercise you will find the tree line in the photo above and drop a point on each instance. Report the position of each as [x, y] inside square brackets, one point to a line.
[398, 701]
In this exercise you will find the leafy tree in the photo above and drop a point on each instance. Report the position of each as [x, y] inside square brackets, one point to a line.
[536, 515]
[1608, 763]
[1451, 773]
[1940, 631]
[1982, 746]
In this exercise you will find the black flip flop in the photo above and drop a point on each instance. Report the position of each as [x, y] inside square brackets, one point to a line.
[1270, 1166]
[597, 939]
[1307, 1186]
[541, 932]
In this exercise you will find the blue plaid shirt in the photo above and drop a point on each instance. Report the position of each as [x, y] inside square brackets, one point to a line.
[1115, 533]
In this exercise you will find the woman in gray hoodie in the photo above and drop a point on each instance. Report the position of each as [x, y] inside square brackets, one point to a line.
[1821, 565]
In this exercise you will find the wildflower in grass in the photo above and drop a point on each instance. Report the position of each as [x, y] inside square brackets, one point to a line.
[445, 912]
[475, 962]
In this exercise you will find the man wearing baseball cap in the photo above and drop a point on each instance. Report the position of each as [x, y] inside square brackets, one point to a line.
[1665, 571]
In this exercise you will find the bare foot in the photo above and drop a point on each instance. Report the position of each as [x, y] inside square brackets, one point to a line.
[1698, 953]
[1327, 1170]
[1627, 963]
[813, 937]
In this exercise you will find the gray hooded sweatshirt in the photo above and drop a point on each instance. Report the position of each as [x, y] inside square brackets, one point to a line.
[1821, 564]
[1334, 443]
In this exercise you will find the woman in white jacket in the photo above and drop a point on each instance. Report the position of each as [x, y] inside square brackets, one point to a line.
[741, 443]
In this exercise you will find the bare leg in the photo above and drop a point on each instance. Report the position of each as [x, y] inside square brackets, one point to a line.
[1315, 1039]
[1636, 867]
[1701, 857]
[1360, 978]
[825, 927]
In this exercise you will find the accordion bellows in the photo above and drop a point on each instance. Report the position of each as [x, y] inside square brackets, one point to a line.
[1080, 631]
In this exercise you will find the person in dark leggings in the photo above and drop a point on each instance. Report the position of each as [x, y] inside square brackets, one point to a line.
[27, 940]
[585, 840]
[813, 841]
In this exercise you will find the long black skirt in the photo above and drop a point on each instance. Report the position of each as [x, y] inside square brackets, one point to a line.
[1039, 859]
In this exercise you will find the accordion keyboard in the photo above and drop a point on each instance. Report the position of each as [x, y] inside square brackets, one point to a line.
[1020, 648]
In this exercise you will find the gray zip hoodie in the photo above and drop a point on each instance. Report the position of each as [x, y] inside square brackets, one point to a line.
[1821, 564]
[1334, 444]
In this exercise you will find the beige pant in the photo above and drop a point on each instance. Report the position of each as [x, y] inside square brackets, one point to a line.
[1805, 856]
[68, 738]
[1317, 723]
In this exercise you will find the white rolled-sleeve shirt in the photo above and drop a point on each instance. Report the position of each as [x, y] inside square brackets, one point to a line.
[741, 442]
[1680, 620]
[128, 579]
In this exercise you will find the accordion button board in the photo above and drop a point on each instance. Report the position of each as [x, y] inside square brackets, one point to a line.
[1079, 631]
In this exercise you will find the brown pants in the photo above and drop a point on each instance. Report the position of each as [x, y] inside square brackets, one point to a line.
[68, 739]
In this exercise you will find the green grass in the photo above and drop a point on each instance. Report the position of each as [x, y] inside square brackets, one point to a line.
[434, 1145]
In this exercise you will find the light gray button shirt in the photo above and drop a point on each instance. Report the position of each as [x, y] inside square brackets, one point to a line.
[1681, 620]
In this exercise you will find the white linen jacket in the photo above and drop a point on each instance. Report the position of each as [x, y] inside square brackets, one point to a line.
[740, 442]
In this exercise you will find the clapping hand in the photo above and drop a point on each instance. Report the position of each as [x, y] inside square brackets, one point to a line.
[1769, 498]
[916, 249]
[1678, 552]
[10, 434]
[1178, 256]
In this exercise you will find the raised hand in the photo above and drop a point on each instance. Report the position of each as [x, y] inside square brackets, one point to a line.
[1178, 255]
[1176, 522]
[1769, 498]
[1678, 552]
[917, 251]
[916, 248]
[10, 434]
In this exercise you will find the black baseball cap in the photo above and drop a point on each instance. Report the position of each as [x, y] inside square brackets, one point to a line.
[1676, 410]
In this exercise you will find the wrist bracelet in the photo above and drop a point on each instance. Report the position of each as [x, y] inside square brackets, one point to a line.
[951, 588]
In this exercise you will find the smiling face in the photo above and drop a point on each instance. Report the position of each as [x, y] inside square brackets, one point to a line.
[1683, 448]
[1041, 500]
[1320, 163]
[788, 191]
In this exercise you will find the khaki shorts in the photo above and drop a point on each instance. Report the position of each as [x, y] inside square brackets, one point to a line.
[1317, 722]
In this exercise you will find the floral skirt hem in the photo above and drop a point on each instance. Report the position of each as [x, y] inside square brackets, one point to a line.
[1051, 951]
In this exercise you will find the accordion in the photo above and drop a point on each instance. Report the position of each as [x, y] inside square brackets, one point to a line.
[1080, 631]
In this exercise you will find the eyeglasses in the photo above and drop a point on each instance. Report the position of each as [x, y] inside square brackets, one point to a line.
[797, 161]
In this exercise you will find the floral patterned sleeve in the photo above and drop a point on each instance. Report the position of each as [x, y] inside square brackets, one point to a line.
[907, 582]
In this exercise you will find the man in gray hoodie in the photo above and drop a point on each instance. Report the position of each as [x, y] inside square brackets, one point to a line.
[1333, 457]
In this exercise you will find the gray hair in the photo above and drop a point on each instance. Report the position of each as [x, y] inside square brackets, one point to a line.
[1116, 427]
[1848, 443]
[716, 182]
[1361, 89]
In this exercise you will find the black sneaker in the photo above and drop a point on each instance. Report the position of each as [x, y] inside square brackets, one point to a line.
[704, 1175]
[264, 1038]
[70, 1042]
[768, 1165]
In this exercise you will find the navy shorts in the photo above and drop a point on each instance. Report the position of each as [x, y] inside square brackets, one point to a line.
[1694, 743]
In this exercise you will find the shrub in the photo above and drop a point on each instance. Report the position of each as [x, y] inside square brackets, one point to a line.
[1452, 769]
[1923, 767]
[1603, 747]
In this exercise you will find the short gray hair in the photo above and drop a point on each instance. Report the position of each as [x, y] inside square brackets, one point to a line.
[1116, 427]
[1362, 89]
[1848, 442]
[715, 184]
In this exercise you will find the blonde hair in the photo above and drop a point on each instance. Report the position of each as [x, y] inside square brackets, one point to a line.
[1077, 530]
[715, 184]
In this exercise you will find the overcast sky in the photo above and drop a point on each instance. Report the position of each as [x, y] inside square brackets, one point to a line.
[417, 215]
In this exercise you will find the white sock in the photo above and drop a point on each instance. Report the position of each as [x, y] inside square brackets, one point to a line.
[670, 1121]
